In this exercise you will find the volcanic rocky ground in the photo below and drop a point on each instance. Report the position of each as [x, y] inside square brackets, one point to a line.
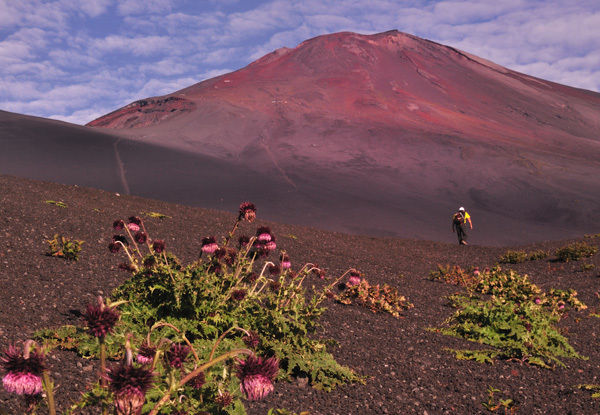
[408, 369]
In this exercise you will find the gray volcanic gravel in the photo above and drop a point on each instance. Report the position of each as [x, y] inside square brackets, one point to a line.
[408, 370]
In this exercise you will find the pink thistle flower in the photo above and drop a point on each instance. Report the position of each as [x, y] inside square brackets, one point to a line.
[198, 381]
[100, 319]
[127, 267]
[220, 253]
[243, 241]
[129, 386]
[209, 245]
[114, 247]
[285, 261]
[133, 227]
[251, 277]
[135, 219]
[140, 237]
[158, 246]
[353, 280]
[264, 234]
[24, 370]
[537, 300]
[239, 295]
[274, 286]
[146, 354]
[248, 211]
[177, 355]
[121, 239]
[230, 257]
[224, 399]
[274, 269]
[118, 225]
[256, 376]
[149, 261]
[252, 340]
[271, 246]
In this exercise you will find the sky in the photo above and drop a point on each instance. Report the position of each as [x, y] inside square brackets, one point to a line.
[76, 60]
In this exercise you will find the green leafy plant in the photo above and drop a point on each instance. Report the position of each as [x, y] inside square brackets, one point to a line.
[595, 389]
[62, 247]
[155, 215]
[587, 267]
[535, 255]
[492, 406]
[54, 202]
[515, 257]
[376, 298]
[455, 275]
[597, 235]
[575, 251]
[517, 320]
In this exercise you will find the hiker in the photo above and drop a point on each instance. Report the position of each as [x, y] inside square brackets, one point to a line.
[459, 221]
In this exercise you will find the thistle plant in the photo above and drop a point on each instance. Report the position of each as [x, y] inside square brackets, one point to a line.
[518, 321]
[190, 321]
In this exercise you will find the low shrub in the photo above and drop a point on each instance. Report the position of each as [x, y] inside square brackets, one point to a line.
[62, 247]
[575, 251]
[374, 297]
[515, 257]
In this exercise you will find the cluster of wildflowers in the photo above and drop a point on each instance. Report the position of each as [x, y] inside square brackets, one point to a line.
[133, 235]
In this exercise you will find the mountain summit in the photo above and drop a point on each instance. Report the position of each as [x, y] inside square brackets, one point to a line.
[397, 132]
[385, 134]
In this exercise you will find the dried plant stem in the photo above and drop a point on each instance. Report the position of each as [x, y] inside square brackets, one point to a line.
[49, 387]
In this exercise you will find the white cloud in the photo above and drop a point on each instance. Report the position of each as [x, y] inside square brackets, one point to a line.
[138, 46]
[158, 87]
[130, 7]
[166, 67]
[91, 8]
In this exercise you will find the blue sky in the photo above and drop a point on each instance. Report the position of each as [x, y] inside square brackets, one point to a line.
[75, 60]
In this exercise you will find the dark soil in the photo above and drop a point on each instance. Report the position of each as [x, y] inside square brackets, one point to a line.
[407, 367]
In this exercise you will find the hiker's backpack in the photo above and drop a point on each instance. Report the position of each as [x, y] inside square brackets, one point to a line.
[458, 218]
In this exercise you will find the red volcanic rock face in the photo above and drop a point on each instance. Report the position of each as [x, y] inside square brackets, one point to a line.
[144, 113]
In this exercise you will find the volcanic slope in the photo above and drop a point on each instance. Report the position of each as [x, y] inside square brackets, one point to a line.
[388, 134]
[383, 135]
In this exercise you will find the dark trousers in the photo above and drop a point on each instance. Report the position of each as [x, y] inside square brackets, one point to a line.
[461, 232]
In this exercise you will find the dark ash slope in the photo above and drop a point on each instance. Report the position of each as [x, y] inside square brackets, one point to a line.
[408, 368]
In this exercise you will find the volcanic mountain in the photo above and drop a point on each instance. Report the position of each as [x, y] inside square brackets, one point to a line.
[384, 135]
